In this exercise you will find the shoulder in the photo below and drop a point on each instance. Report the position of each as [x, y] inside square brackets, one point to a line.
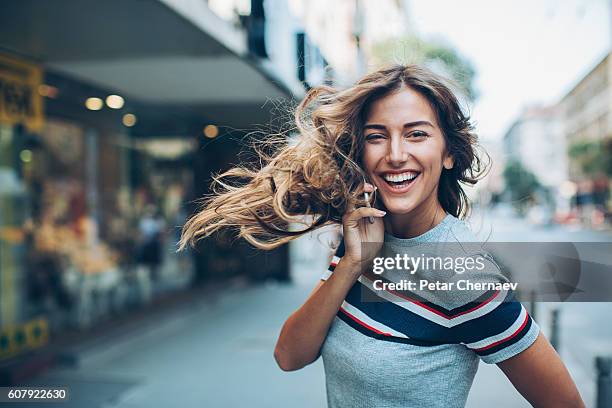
[452, 229]
[460, 230]
[500, 329]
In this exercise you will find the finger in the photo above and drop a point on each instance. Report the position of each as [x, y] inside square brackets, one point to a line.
[366, 188]
[367, 192]
[369, 188]
[350, 207]
[365, 212]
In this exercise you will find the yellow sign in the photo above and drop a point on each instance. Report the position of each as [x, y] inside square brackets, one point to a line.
[20, 101]
[17, 339]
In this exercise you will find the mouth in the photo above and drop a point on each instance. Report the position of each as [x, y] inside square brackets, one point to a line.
[400, 183]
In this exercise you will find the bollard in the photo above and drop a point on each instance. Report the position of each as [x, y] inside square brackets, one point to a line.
[554, 329]
[532, 304]
[604, 381]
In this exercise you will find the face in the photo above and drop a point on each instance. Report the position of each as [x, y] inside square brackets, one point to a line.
[404, 151]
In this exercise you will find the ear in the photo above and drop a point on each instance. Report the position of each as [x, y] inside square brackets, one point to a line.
[448, 162]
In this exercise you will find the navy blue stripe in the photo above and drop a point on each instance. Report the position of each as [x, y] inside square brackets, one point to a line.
[339, 253]
[415, 325]
[340, 250]
[421, 329]
[399, 319]
[378, 336]
[494, 322]
[447, 312]
[508, 343]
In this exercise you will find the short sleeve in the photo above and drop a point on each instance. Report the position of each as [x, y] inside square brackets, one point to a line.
[338, 254]
[505, 330]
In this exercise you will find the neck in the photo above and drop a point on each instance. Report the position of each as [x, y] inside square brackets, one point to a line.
[416, 222]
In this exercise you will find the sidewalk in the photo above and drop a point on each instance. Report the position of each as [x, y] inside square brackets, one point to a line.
[216, 350]
[583, 331]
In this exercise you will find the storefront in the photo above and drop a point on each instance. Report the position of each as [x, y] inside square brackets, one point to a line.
[83, 231]
[91, 201]
[21, 112]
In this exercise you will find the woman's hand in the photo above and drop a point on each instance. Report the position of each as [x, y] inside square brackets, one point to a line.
[357, 229]
[304, 332]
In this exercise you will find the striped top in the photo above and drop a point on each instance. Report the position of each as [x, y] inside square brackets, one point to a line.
[403, 349]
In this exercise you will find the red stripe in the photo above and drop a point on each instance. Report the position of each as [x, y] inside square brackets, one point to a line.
[478, 306]
[507, 338]
[441, 314]
[363, 323]
[423, 305]
[334, 264]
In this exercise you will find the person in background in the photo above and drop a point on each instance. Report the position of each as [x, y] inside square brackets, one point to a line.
[151, 230]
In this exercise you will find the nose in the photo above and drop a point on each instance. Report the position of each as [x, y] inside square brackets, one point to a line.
[396, 153]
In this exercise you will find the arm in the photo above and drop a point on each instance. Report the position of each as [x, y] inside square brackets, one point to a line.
[303, 333]
[541, 377]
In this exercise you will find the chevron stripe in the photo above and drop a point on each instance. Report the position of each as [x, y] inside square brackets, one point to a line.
[365, 320]
[449, 313]
[487, 325]
[431, 314]
[493, 339]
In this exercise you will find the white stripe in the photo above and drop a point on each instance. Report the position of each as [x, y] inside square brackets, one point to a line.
[429, 315]
[326, 275]
[328, 272]
[367, 320]
[509, 331]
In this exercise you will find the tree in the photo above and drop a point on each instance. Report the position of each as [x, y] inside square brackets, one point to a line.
[440, 57]
[521, 185]
[594, 157]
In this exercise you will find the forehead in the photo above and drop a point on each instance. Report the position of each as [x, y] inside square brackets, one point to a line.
[399, 107]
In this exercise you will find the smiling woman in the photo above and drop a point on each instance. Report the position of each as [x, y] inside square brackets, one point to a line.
[401, 130]
[322, 175]
[405, 152]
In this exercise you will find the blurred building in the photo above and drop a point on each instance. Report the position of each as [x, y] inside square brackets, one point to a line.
[568, 147]
[536, 140]
[346, 29]
[114, 116]
[587, 122]
[587, 110]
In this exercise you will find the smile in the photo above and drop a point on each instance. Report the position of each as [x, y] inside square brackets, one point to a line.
[400, 183]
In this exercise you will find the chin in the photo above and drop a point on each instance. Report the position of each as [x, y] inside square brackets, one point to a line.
[405, 202]
[396, 208]
[401, 202]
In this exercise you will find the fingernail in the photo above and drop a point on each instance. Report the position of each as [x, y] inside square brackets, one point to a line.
[381, 212]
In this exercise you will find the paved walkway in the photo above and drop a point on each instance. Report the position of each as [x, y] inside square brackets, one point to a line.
[217, 352]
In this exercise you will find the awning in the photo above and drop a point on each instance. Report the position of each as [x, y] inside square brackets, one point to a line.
[159, 52]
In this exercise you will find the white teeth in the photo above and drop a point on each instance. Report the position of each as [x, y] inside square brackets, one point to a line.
[396, 178]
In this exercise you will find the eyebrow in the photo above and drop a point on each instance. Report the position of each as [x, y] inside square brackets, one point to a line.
[406, 125]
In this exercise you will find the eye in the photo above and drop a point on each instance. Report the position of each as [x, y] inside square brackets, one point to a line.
[374, 136]
[418, 134]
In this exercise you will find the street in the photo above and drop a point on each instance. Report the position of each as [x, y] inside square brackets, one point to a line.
[148, 148]
[217, 351]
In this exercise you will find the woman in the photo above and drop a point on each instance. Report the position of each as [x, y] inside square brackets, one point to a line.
[402, 129]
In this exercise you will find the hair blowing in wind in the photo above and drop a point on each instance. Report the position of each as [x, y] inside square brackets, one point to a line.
[315, 180]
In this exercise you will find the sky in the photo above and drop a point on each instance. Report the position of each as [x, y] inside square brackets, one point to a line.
[525, 52]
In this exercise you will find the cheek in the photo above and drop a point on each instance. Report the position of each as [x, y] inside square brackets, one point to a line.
[429, 158]
[370, 158]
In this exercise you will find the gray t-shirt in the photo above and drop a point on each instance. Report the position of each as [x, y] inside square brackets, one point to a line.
[389, 349]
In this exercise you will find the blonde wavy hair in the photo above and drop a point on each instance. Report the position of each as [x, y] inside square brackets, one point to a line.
[314, 180]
